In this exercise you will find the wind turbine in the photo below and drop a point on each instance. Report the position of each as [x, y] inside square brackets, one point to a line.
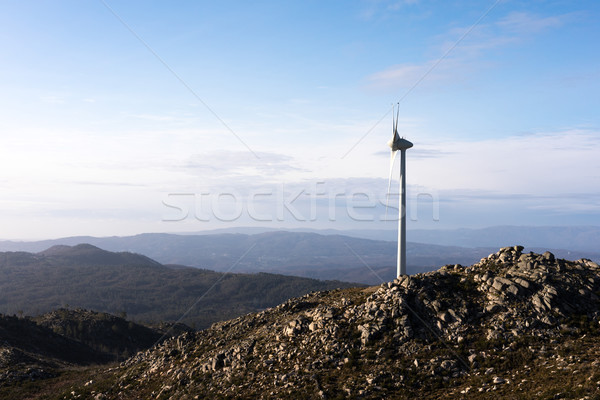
[398, 143]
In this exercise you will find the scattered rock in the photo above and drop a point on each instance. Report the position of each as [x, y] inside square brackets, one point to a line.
[407, 328]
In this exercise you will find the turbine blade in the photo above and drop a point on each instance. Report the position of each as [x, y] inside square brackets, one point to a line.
[393, 123]
[397, 117]
[387, 196]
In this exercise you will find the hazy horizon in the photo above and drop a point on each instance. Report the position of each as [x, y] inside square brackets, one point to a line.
[567, 237]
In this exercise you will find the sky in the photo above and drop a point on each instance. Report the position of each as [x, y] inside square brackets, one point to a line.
[118, 118]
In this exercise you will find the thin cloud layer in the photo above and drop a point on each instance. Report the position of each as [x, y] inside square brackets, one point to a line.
[469, 55]
[241, 163]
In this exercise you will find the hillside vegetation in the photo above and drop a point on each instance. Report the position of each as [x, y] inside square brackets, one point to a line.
[105, 333]
[36, 354]
[131, 284]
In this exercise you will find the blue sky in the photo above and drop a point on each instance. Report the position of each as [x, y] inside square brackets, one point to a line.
[119, 118]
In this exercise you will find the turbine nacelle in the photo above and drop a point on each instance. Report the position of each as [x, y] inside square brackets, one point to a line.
[398, 143]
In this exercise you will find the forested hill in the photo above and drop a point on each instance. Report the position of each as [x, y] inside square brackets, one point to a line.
[78, 255]
[88, 277]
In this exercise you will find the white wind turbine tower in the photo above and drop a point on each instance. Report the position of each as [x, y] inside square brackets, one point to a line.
[398, 143]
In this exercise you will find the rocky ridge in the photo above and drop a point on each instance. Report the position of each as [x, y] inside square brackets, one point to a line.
[504, 325]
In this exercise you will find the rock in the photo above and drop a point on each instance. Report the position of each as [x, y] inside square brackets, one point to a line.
[493, 334]
[524, 265]
[493, 308]
[446, 317]
[549, 257]
[497, 284]
[522, 282]
[512, 289]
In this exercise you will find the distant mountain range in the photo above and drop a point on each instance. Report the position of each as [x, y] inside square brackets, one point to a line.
[307, 254]
[574, 238]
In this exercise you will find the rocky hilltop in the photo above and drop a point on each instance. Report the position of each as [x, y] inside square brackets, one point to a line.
[515, 324]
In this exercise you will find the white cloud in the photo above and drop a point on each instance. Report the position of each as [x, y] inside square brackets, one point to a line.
[241, 163]
[408, 75]
[540, 164]
[526, 23]
[52, 99]
[396, 5]
[460, 55]
[154, 117]
[378, 8]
